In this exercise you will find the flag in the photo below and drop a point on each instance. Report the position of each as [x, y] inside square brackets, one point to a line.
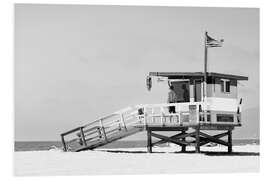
[211, 42]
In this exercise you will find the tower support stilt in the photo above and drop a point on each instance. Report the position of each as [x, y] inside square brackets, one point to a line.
[149, 141]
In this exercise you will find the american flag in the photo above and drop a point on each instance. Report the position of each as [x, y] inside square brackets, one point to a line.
[211, 42]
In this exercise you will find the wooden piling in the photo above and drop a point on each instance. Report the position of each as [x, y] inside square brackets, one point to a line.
[149, 141]
[197, 136]
[229, 141]
[183, 147]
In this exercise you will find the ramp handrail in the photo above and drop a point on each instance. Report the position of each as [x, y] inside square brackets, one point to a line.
[102, 127]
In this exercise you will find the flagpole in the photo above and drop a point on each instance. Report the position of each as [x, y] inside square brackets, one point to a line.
[205, 56]
[205, 77]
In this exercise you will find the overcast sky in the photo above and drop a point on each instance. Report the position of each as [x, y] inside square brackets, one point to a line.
[75, 63]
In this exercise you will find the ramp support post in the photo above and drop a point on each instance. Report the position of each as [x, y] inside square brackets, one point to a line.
[149, 141]
[64, 143]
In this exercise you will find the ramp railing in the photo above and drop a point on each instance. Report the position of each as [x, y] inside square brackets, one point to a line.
[103, 130]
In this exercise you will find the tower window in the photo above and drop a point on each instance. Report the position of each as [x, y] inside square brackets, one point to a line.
[225, 85]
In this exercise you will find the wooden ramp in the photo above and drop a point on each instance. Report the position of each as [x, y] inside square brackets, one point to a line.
[103, 131]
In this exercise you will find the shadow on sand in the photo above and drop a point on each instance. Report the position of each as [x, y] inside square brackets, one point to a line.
[208, 153]
[231, 154]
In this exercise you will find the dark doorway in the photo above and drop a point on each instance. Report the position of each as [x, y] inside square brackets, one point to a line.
[181, 89]
[197, 90]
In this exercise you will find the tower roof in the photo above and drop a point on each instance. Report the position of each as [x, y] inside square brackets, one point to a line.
[190, 75]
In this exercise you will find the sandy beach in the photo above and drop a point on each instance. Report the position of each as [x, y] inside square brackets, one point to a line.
[136, 161]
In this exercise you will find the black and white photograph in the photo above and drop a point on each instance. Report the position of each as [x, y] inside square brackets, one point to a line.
[117, 89]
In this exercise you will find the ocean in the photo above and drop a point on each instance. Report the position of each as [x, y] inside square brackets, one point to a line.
[47, 145]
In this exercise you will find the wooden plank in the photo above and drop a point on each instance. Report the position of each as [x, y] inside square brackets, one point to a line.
[73, 140]
[189, 75]
[92, 138]
[216, 127]
[108, 131]
[168, 139]
[96, 121]
[206, 140]
[70, 131]
[177, 136]
[83, 137]
[166, 128]
[214, 139]
[94, 131]
[164, 141]
[90, 129]
[177, 127]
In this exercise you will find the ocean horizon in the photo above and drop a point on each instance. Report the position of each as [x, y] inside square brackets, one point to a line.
[47, 145]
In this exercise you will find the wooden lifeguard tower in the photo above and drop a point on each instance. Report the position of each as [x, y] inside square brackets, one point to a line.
[219, 111]
[209, 103]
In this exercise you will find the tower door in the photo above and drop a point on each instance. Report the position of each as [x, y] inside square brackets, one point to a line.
[181, 88]
[197, 90]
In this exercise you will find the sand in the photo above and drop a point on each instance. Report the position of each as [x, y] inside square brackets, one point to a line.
[136, 161]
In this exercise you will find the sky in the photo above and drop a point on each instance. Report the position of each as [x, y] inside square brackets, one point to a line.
[76, 63]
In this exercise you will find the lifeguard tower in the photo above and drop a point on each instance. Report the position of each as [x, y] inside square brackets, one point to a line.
[206, 101]
[218, 110]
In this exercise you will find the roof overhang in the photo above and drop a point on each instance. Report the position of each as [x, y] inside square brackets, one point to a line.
[192, 75]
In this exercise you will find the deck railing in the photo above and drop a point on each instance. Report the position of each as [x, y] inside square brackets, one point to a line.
[158, 114]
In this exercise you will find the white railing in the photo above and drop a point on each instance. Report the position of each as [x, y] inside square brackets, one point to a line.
[158, 114]
[102, 130]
